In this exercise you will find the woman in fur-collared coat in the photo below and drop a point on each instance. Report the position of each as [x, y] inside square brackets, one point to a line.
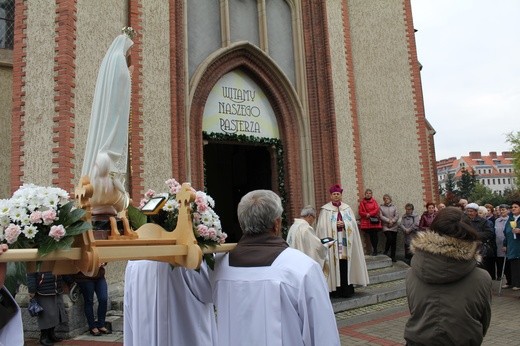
[448, 295]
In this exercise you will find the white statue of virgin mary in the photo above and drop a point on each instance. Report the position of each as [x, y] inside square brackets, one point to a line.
[106, 152]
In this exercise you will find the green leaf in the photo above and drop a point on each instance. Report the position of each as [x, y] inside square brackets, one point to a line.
[16, 275]
[210, 260]
[68, 216]
[78, 228]
[136, 217]
[49, 245]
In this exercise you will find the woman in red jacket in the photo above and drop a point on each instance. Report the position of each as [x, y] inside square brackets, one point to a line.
[370, 222]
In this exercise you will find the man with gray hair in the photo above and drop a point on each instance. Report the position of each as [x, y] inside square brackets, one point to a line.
[302, 237]
[265, 292]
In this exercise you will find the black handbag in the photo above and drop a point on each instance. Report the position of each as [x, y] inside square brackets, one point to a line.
[34, 308]
[374, 220]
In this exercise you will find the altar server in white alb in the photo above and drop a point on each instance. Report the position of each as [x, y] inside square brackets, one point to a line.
[301, 236]
[265, 292]
[346, 257]
[161, 306]
[11, 328]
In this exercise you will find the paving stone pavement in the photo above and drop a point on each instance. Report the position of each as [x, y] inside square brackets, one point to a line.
[381, 324]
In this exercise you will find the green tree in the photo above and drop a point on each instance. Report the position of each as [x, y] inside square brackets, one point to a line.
[482, 194]
[467, 183]
[511, 195]
[514, 140]
[451, 195]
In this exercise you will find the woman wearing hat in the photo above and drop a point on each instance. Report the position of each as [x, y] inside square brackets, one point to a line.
[346, 257]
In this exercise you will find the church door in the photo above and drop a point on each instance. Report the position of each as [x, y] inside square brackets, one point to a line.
[231, 171]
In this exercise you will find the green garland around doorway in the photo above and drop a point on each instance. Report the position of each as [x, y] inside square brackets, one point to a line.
[274, 143]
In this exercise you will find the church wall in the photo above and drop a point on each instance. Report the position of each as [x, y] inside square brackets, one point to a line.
[342, 104]
[6, 82]
[37, 129]
[155, 91]
[385, 96]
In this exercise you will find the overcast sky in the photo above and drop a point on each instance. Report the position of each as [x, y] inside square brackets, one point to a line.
[470, 52]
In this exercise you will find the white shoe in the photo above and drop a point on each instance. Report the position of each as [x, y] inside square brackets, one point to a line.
[516, 288]
[506, 286]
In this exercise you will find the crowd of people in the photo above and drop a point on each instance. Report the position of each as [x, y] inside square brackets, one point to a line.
[275, 291]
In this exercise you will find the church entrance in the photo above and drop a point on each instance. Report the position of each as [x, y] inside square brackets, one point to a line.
[231, 171]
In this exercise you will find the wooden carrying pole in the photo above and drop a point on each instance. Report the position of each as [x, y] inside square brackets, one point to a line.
[150, 242]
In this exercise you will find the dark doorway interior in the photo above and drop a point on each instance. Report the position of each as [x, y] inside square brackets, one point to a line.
[232, 170]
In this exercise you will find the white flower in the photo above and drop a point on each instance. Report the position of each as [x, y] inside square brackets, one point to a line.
[211, 201]
[4, 221]
[171, 205]
[30, 231]
[17, 214]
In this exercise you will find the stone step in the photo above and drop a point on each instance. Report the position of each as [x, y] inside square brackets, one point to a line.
[395, 271]
[386, 284]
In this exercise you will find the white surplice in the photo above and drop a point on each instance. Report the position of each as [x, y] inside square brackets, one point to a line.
[348, 245]
[286, 303]
[302, 237]
[160, 307]
[12, 333]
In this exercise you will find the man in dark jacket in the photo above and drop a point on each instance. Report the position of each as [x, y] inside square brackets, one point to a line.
[486, 233]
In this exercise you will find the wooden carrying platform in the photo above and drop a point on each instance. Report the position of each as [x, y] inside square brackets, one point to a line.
[149, 242]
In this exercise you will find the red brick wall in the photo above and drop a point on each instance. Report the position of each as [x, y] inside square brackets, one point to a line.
[353, 101]
[426, 145]
[64, 85]
[320, 99]
[177, 90]
[135, 139]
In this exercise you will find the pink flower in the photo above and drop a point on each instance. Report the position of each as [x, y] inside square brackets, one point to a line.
[222, 238]
[11, 233]
[175, 189]
[143, 202]
[57, 232]
[203, 230]
[150, 193]
[202, 207]
[212, 233]
[48, 216]
[36, 217]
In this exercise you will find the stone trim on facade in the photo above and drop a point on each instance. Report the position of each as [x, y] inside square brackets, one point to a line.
[17, 132]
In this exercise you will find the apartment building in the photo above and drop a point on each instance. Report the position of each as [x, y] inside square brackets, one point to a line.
[493, 170]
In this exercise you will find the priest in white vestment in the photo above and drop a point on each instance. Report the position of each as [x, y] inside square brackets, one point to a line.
[346, 256]
[161, 306]
[301, 236]
[11, 330]
[265, 292]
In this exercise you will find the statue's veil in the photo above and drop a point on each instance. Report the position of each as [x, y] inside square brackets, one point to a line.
[108, 130]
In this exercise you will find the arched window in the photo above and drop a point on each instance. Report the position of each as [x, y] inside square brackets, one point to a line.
[6, 24]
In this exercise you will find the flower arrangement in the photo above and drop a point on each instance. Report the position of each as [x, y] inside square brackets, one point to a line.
[40, 217]
[206, 223]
